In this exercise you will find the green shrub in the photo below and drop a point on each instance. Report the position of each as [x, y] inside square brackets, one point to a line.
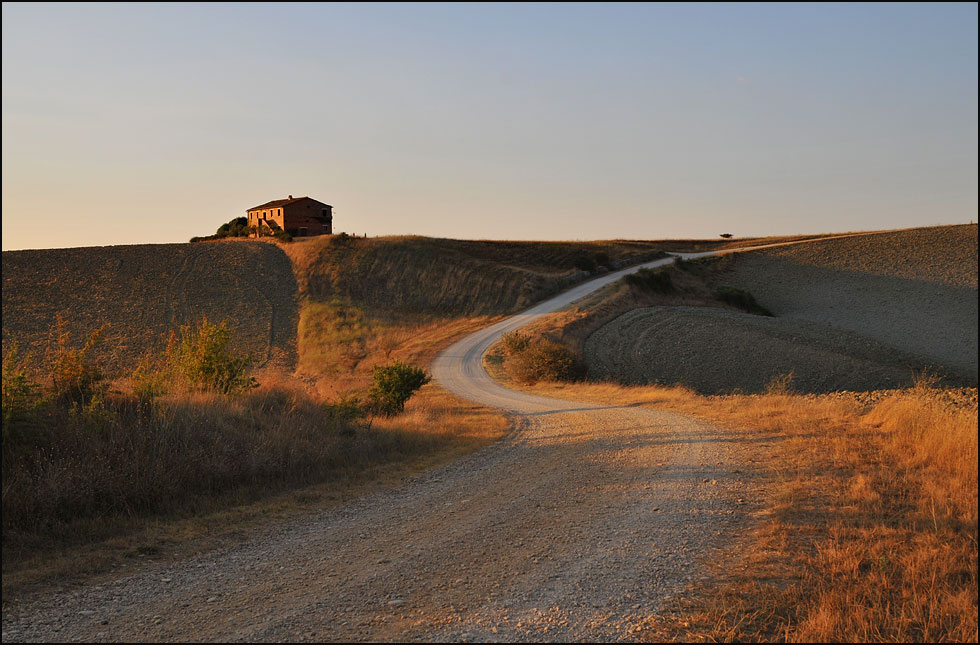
[544, 360]
[656, 280]
[341, 416]
[237, 227]
[283, 236]
[741, 299]
[393, 385]
[204, 359]
[22, 396]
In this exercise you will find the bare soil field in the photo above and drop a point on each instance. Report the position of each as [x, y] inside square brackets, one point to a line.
[854, 313]
[914, 291]
[715, 350]
[144, 291]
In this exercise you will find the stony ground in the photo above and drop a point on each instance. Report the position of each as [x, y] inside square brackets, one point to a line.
[144, 291]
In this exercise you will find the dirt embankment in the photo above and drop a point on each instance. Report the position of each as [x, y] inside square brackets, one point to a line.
[144, 291]
[854, 313]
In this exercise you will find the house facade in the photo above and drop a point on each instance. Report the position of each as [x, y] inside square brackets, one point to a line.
[298, 216]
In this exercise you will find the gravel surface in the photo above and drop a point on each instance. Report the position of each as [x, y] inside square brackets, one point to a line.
[577, 527]
[716, 350]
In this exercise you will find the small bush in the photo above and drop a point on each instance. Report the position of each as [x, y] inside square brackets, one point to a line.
[544, 360]
[283, 236]
[75, 377]
[22, 396]
[515, 342]
[237, 227]
[656, 280]
[342, 416]
[741, 299]
[585, 263]
[393, 385]
[204, 359]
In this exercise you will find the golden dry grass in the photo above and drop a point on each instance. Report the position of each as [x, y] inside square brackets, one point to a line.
[872, 529]
[283, 419]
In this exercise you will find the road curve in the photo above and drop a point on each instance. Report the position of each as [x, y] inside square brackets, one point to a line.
[578, 526]
[459, 368]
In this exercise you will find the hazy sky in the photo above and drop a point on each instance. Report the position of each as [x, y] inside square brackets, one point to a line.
[152, 123]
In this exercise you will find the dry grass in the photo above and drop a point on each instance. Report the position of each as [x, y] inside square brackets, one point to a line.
[204, 470]
[872, 523]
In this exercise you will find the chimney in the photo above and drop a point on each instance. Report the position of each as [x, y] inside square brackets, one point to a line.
[290, 197]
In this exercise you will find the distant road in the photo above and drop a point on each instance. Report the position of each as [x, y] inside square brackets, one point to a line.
[459, 368]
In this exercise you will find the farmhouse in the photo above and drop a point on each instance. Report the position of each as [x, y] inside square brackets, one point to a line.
[299, 216]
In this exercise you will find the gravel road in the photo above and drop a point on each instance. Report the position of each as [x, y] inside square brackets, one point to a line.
[577, 527]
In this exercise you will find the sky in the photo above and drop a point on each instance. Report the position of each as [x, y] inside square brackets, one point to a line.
[152, 123]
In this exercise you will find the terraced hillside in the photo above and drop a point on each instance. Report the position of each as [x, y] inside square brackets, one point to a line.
[855, 313]
[144, 291]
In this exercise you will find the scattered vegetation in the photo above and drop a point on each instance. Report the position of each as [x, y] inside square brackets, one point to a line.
[189, 428]
[654, 280]
[529, 360]
[727, 236]
[393, 385]
[741, 299]
[237, 227]
[204, 359]
[592, 262]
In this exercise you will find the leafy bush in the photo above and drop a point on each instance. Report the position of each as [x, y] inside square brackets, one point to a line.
[544, 360]
[591, 263]
[515, 342]
[741, 299]
[204, 359]
[237, 227]
[283, 236]
[341, 415]
[22, 396]
[656, 280]
[393, 385]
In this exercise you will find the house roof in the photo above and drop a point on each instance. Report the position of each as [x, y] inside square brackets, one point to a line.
[282, 202]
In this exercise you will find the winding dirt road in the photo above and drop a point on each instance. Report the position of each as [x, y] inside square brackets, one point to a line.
[577, 527]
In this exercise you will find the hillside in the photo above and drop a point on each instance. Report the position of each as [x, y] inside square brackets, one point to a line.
[914, 291]
[142, 292]
[359, 295]
[853, 313]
